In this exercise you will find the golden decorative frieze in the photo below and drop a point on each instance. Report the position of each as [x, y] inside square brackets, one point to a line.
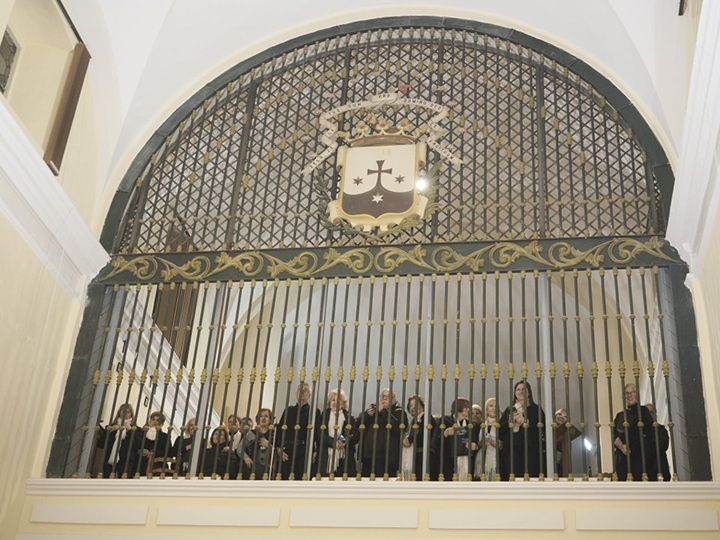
[418, 259]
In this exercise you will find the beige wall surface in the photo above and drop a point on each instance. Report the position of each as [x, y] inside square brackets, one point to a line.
[78, 172]
[100, 509]
[706, 295]
[38, 323]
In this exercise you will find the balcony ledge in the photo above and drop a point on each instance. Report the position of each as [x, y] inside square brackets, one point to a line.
[377, 490]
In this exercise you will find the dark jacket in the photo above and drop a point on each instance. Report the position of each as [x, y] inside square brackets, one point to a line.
[382, 442]
[457, 445]
[417, 437]
[128, 450]
[326, 443]
[293, 440]
[640, 442]
[525, 447]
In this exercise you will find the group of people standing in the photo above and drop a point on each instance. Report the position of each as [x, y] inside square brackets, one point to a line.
[385, 440]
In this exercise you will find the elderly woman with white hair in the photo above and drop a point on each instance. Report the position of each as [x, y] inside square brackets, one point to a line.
[337, 435]
[489, 440]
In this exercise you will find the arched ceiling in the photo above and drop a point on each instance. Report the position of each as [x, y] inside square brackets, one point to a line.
[149, 57]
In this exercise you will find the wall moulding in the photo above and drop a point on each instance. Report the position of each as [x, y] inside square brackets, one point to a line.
[338, 489]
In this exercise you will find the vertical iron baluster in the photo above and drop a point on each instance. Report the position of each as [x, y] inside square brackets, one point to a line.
[341, 376]
[431, 374]
[168, 378]
[418, 373]
[132, 377]
[256, 353]
[580, 374]
[366, 377]
[566, 364]
[608, 367]
[204, 418]
[472, 367]
[665, 370]
[458, 371]
[353, 375]
[212, 362]
[414, 420]
[244, 360]
[120, 369]
[333, 416]
[234, 336]
[310, 435]
[391, 372]
[552, 367]
[404, 373]
[278, 439]
[595, 370]
[539, 369]
[290, 376]
[198, 436]
[651, 372]
[636, 370]
[378, 379]
[443, 378]
[263, 371]
[112, 314]
[621, 372]
[523, 350]
[220, 326]
[178, 384]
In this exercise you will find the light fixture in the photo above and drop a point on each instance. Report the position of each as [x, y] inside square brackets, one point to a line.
[421, 184]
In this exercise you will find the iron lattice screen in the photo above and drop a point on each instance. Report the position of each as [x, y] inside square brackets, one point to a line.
[545, 156]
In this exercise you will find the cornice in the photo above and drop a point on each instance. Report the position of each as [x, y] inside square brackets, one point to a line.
[42, 213]
[378, 490]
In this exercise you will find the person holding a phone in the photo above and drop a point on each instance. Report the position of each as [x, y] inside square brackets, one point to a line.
[522, 436]
[337, 436]
[380, 453]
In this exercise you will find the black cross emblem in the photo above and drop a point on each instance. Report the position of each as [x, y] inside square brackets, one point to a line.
[380, 170]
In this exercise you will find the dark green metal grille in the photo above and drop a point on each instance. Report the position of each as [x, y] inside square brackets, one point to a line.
[545, 155]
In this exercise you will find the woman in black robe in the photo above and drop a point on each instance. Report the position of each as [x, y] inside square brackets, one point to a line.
[121, 442]
[218, 456]
[182, 448]
[414, 439]
[459, 442]
[155, 444]
[634, 445]
[523, 444]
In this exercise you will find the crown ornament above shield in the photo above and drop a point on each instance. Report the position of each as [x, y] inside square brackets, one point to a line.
[384, 181]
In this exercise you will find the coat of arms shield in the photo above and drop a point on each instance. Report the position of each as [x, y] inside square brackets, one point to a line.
[378, 185]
